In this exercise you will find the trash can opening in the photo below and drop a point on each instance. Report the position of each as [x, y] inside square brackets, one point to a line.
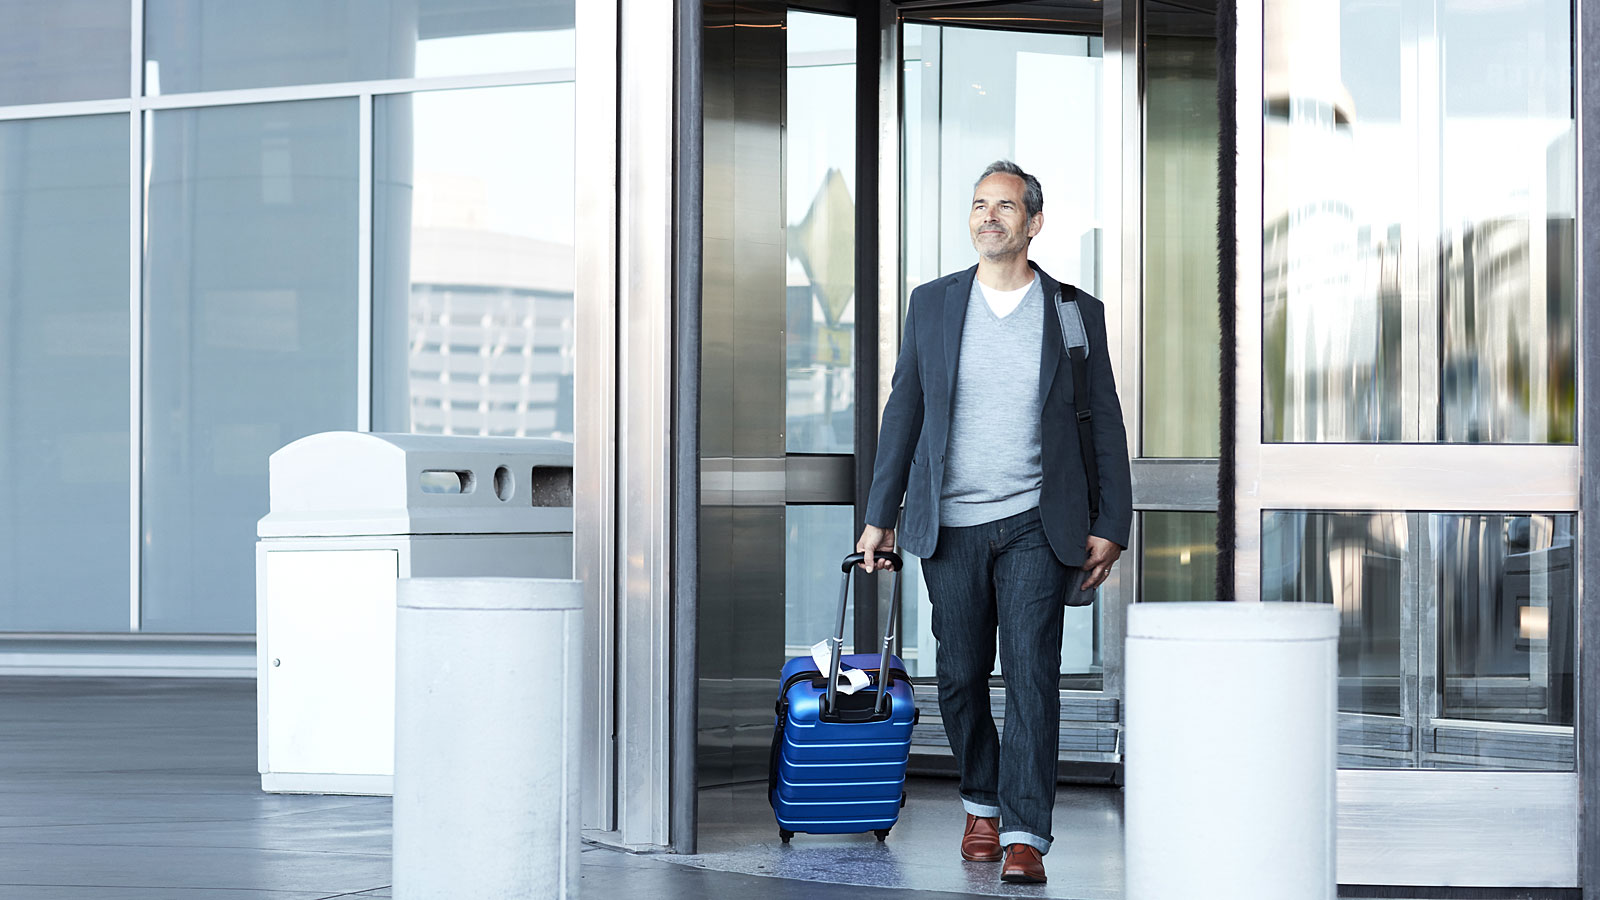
[446, 481]
[551, 485]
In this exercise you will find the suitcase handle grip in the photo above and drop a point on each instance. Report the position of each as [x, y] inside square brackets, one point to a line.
[885, 677]
[857, 558]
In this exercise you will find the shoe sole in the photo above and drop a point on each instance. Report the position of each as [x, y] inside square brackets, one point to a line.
[1022, 879]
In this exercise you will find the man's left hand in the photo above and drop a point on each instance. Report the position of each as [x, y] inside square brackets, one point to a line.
[1102, 553]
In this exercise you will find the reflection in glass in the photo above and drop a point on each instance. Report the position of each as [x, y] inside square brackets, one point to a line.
[212, 45]
[977, 95]
[53, 51]
[1419, 160]
[813, 536]
[1181, 336]
[473, 262]
[1507, 634]
[1337, 192]
[1352, 560]
[1508, 198]
[250, 334]
[820, 184]
[64, 374]
[1177, 556]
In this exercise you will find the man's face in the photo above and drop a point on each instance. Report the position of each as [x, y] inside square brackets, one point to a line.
[1000, 228]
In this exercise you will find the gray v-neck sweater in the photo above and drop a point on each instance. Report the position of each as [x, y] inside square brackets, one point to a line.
[992, 467]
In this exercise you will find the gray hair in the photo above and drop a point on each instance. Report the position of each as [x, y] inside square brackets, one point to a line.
[1032, 193]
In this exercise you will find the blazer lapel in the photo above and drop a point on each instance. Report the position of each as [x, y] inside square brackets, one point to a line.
[1050, 357]
[956, 297]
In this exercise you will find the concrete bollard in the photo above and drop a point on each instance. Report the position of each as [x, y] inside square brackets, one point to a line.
[1232, 743]
[488, 708]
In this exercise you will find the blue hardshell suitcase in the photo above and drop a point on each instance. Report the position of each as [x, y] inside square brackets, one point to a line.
[838, 763]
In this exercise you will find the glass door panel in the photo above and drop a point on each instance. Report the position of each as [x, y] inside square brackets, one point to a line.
[1419, 202]
[1177, 556]
[973, 95]
[818, 424]
[815, 539]
[1457, 642]
[1182, 338]
[819, 197]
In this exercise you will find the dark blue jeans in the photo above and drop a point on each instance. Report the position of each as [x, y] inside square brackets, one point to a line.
[1001, 578]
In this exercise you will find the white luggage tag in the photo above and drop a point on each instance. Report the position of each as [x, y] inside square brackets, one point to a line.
[855, 679]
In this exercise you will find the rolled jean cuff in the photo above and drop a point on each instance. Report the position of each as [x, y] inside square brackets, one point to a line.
[978, 809]
[1007, 838]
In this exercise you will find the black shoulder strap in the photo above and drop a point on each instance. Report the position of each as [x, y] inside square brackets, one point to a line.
[1076, 340]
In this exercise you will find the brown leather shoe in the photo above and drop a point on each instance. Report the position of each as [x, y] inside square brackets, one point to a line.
[1024, 865]
[981, 841]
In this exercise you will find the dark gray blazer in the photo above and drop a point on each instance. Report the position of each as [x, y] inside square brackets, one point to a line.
[916, 426]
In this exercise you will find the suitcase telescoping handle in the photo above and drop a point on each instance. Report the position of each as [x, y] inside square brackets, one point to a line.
[884, 676]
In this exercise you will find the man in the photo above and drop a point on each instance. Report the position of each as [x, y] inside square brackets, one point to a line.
[981, 437]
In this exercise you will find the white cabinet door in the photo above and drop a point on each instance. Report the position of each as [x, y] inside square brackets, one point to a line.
[329, 643]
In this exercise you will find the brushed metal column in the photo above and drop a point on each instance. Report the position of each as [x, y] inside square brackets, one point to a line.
[741, 554]
[595, 376]
[1586, 32]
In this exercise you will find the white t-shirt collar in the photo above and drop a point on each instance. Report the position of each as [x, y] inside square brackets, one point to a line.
[1004, 303]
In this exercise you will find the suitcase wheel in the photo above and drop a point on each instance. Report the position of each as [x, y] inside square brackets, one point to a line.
[881, 833]
[785, 834]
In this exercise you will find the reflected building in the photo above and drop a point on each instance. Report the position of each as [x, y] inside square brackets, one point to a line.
[490, 328]
[1507, 351]
[1331, 288]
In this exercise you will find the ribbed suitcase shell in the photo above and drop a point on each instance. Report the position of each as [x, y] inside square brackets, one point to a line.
[839, 777]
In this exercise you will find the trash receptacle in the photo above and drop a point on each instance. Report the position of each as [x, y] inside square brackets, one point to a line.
[1232, 751]
[1232, 743]
[350, 514]
[488, 710]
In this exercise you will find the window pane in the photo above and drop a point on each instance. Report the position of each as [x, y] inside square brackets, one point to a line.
[1489, 621]
[1507, 199]
[1352, 560]
[820, 186]
[972, 97]
[1506, 618]
[1178, 556]
[210, 45]
[816, 538]
[1181, 330]
[250, 335]
[1338, 202]
[1420, 194]
[58, 50]
[64, 374]
[473, 262]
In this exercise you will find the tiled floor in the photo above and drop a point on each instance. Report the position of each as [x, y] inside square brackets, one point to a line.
[146, 789]
[737, 834]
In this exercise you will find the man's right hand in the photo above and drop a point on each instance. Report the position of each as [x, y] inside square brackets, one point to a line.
[874, 539]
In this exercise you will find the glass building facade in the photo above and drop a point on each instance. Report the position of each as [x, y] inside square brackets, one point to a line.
[286, 218]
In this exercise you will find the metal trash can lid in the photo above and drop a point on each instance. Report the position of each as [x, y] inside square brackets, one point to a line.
[491, 593]
[1214, 621]
[357, 484]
